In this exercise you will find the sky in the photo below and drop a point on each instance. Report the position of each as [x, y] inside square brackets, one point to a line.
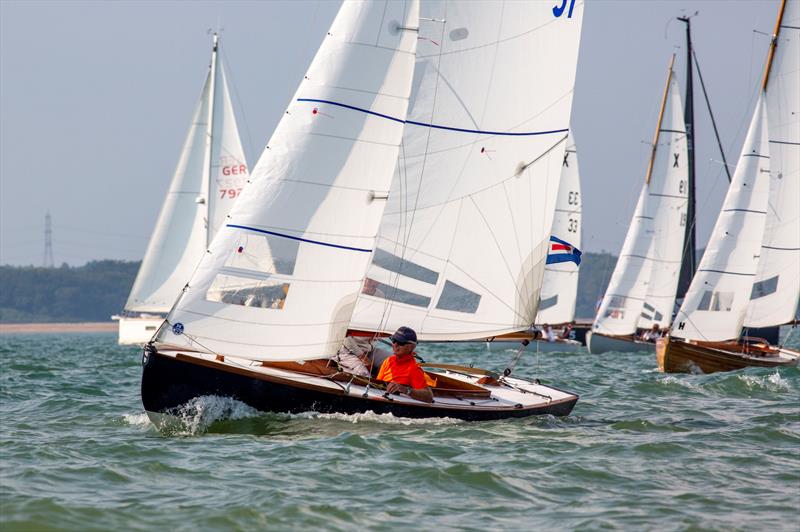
[96, 99]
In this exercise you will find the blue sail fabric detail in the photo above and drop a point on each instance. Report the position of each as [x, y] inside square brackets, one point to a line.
[308, 241]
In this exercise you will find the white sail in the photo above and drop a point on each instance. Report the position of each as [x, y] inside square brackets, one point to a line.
[462, 246]
[776, 288]
[668, 198]
[560, 283]
[622, 303]
[182, 233]
[716, 302]
[281, 278]
[642, 288]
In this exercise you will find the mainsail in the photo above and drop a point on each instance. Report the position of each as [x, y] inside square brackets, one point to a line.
[645, 280]
[462, 245]
[560, 283]
[715, 305]
[210, 174]
[280, 280]
[776, 287]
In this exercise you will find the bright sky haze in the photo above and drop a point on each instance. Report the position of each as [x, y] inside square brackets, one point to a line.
[96, 99]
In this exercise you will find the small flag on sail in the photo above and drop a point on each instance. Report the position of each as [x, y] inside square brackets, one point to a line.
[561, 251]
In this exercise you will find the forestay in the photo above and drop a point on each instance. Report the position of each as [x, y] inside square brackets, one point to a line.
[642, 288]
[462, 246]
[715, 305]
[211, 165]
[281, 278]
[560, 283]
[776, 289]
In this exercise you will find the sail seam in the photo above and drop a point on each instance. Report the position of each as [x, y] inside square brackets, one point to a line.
[728, 273]
[306, 240]
[436, 126]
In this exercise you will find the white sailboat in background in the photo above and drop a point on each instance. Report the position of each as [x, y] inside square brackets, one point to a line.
[210, 175]
[560, 284]
[643, 287]
[459, 189]
[750, 273]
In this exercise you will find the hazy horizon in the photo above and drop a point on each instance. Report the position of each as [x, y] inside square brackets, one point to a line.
[96, 98]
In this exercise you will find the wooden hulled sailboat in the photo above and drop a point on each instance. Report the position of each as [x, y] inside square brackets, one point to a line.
[750, 273]
[462, 213]
[210, 175]
[642, 289]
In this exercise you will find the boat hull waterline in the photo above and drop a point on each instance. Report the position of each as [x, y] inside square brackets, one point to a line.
[171, 380]
[678, 356]
[601, 343]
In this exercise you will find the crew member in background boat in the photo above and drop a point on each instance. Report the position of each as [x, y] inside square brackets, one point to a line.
[549, 335]
[401, 370]
[359, 357]
[567, 332]
[652, 335]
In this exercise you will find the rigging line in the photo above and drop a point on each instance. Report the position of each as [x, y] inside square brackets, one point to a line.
[711, 114]
[499, 248]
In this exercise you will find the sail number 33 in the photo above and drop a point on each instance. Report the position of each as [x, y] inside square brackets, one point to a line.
[559, 10]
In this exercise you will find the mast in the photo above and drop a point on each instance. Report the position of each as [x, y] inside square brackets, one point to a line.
[688, 264]
[773, 42]
[209, 137]
[660, 119]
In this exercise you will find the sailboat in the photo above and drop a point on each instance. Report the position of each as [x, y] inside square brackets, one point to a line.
[750, 273]
[560, 284]
[642, 290]
[210, 175]
[412, 181]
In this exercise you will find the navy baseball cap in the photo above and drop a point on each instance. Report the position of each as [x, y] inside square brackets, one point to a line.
[404, 335]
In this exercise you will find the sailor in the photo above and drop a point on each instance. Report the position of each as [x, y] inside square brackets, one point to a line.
[549, 335]
[401, 370]
[358, 356]
[652, 335]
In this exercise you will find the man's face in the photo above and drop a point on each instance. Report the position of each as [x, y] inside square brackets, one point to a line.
[402, 350]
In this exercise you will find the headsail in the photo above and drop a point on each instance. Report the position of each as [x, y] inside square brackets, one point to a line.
[462, 246]
[560, 283]
[280, 279]
[715, 305]
[212, 147]
[776, 288]
[642, 288]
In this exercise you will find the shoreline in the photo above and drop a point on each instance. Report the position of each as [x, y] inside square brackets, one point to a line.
[83, 327]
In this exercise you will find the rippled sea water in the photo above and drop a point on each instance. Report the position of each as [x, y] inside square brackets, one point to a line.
[642, 450]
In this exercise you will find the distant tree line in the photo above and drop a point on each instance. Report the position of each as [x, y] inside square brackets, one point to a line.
[97, 290]
[92, 292]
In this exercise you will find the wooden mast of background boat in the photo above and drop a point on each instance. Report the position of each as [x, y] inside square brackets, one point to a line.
[689, 260]
[773, 43]
[660, 118]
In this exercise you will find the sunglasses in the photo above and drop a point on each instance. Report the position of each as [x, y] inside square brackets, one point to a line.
[400, 343]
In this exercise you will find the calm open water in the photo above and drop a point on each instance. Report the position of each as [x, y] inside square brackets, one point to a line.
[641, 450]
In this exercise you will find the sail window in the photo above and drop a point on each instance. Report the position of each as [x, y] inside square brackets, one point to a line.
[716, 301]
[259, 293]
[764, 288]
[458, 298]
[263, 253]
[396, 264]
[550, 302]
[385, 291]
[615, 308]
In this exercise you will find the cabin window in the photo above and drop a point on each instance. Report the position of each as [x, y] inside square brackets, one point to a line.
[385, 291]
[716, 301]
[258, 293]
[547, 303]
[458, 298]
[263, 253]
[399, 265]
[764, 288]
